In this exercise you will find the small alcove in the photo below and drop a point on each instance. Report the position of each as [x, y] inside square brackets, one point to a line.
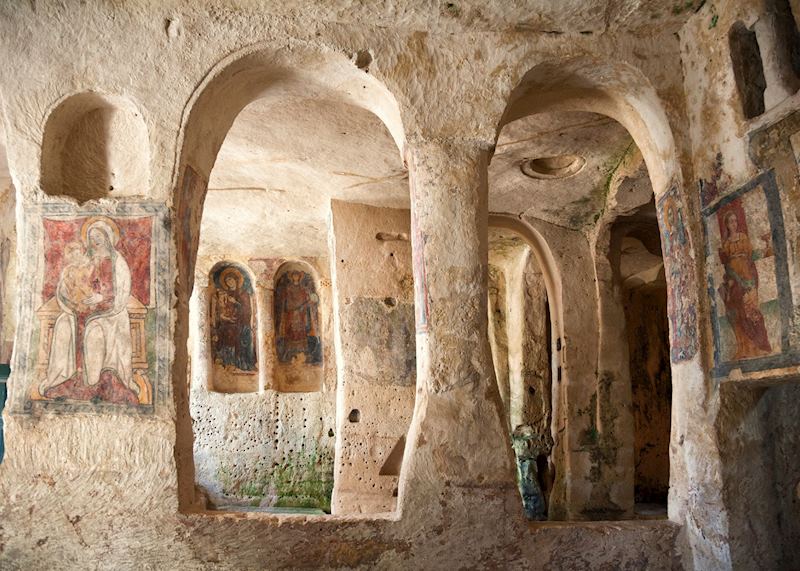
[748, 69]
[95, 146]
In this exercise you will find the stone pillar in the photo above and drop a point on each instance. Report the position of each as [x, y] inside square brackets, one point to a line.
[516, 312]
[200, 358]
[264, 340]
[536, 407]
[610, 436]
[458, 451]
[372, 286]
[498, 329]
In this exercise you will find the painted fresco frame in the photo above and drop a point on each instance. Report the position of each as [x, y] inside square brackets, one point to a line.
[27, 365]
[787, 355]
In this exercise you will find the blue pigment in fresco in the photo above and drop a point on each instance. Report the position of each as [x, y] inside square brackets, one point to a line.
[232, 315]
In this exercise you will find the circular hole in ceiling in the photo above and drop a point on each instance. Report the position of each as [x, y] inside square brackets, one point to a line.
[560, 166]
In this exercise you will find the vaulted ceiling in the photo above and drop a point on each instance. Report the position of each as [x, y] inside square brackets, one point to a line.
[284, 160]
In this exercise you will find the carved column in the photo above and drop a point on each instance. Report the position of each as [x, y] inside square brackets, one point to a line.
[198, 334]
[458, 454]
[264, 335]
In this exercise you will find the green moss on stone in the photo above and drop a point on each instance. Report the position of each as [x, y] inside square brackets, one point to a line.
[304, 479]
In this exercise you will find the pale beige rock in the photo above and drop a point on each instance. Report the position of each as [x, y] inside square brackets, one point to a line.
[256, 99]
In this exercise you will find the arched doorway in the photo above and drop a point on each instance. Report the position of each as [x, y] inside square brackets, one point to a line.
[565, 157]
[293, 147]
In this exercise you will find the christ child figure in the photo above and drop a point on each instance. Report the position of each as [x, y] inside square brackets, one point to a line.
[76, 281]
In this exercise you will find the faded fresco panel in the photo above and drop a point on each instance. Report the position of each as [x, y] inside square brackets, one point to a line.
[233, 329]
[297, 338]
[298, 341]
[99, 309]
[678, 263]
[748, 280]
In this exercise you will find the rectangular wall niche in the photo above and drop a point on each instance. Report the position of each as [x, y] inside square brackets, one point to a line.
[748, 69]
[100, 298]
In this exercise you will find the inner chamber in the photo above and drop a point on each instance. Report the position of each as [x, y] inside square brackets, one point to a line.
[579, 180]
[303, 298]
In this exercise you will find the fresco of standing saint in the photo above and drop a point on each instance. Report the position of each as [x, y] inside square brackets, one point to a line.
[739, 288]
[297, 319]
[232, 320]
[680, 300]
[748, 279]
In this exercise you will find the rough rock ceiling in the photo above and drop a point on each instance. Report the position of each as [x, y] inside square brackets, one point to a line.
[505, 246]
[637, 265]
[640, 260]
[279, 167]
[525, 15]
[574, 201]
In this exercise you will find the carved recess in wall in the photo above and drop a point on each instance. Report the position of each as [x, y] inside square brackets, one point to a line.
[100, 303]
[678, 262]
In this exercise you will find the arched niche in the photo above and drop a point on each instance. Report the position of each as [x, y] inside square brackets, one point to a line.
[584, 407]
[543, 255]
[265, 76]
[521, 335]
[297, 329]
[617, 90]
[257, 73]
[95, 146]
[232, 329]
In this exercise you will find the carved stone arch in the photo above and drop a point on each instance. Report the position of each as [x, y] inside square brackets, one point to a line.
[622, 92]
[260, 71]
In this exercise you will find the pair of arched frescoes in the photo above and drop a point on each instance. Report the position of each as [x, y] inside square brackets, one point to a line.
[234, 327]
